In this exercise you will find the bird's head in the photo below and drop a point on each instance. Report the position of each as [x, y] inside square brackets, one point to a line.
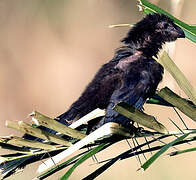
[154, 27]
[167, 30]
[148, 35]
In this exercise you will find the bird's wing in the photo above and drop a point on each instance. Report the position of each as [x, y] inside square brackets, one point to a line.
[133, 91]
[133, 94]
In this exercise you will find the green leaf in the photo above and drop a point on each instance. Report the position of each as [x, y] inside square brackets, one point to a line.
[82, 159]
[183, 151]
[132, 152]
[55, 125]
[140, 117]
[193, 27]
[179, 77]
[180, 103]
[189, 30]
[59, 167]
[156, 99]
[163, 149]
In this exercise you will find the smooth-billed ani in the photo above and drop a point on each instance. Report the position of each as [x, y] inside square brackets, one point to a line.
[131, 76]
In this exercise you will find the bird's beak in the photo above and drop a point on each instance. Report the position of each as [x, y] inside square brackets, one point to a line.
[180, 32]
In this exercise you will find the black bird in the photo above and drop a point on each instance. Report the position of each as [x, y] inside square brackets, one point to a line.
[131, 76]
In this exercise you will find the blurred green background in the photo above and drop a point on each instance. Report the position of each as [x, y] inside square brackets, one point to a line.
[50, 50]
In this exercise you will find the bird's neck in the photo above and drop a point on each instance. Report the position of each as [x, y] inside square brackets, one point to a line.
[148, 45]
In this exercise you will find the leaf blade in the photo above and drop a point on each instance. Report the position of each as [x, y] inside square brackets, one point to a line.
[81, 160]
[163, 149]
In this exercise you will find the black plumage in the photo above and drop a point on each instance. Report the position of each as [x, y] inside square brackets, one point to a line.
[131, 76]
